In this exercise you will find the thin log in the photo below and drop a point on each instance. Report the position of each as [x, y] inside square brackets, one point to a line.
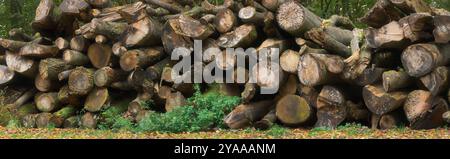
[394, 80]
[35, 50]
[437, 81]
[79, 43]
[243, 36]
[22, 65]
[50, 68]
[105, 76]
[225, 21]
[48, 102]
[245, 115]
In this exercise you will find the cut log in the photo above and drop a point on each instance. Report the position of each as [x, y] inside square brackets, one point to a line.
[100, 55]
[76, 8]
[45, 120]
[389, 36]
[145, 32]
[96, 100]
[318, 69]
[81, 81]
[417, 27]
[272, 5]
[412, 6]
[138, 104]
[296, 19]
[172, 40]
[369, 76]
[112, 30]
[50, 68]
[72, 122]
[75, 58]
[118, 49]
[446, 117]
[100, 3]
[7, 76]
[19, 35]
[45, 18]
[332, 39]
[356, 112]
[105, 76]
[22, 100]
[382, 13]
[331, 107]
[394, 80]
[192, 28]
[79, 43]
[437, 81]
[22, 65]
[64, 75]
[245, 115]
[172, 8]
[157, 69]
[61, 115]
[12, 45]
[267, 121]
[249, 92]
[250, 15]
[62, 44]
[420, 59]
[391, 120]
[141, 81]
[89, 121]
[293, 110]
[243, 36]
[45, 84]
[380, 102]
[441, 31]
[29, 121]
[289, 61]
[225, 21]
[101, 39]
[38, 51]
[135, 59]
[65, 97]
[48, 102]
[175, 100]
[424, 111]
[226, 61]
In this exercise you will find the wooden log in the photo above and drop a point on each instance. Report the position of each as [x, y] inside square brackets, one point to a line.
[289, 61]
[225, 21]
[272, 5]
[45, 120]
[174, 100]
[192, 28]
[172, 40]
[12, 45]
[76, 8]
[7, 76]
[331, 107]
[112, 30]
[357, 62]
[267, 121]
[29, 121]
[139, 103]
[61, 115]
[157, 69]
[75, 58]
[420, 59]
[446, 116]
[249, 92]
[328, 42]
[293, 110]
[35, 50]
[48, 102]
[289, 87]
[210, 50]
[382, 13]
[145, 32]
[441, 32]
[134, 59]
[89, 121]
[105, 76]
[437, 81]
[380, 102]
[66, 98]
[72, 122]
[245, 115]
[296, 19]
[81, 81]
[45, 18]
[172, 8]
[389, 36]
[356, 112]
[100, 3]
[45, 84]
[79, 43]
[417, 27]
[100, 55]
[19, 35]
[64, 75]
[22, 65]
[369, 76]
[96, 100]
[141, 80]
[61, 43]
[394, 80]
[267, 76]
[339, 21]
[424, 111]
[101, 39]
[22, 100]
[50, 68]
[250, 15]
[226, 61]
[411, 6]
[318, 69]
[386, 59]
[243, 36]
[391, 120]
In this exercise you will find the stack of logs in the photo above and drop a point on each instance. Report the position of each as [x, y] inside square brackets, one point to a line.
[88, 56]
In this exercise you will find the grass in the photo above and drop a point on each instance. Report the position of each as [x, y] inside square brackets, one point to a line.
[348, 131]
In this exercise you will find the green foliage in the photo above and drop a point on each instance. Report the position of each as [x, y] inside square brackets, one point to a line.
[277, 131]
[12, 124]
[112, 119]
[203, 112]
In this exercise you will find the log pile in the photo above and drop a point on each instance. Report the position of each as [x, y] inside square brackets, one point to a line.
[87, 56]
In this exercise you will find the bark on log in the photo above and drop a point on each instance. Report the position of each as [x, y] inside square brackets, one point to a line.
[144, 58]
[89, 120]
[382, 13]
[389, 36]
[24, 66]
[12, 45]
[61, 115]
[35, 50]
[65, 97]
[105, 76]
[45, 84]
[72, 122]
[225, 21]
[331, 107]
[100, 55]
[394, 80]
[50, 68]
[417, 27]
[192, 28]
[441, 31]
[172, 40]
[75, 58]
[174, 100]
[245, 115]
[370, 76]
[48, 102]
[380, 102]
[79, 43]
[296, 19]
[145, 32]
[243, 36]
[424, 111]
[96, 100]
[437, 81]
[45, 18]
[412, 6]
[420, 59]
[81, 81]
[62, 44]
[267, 121]
[7, 76]
[293, 110]
[318, 69]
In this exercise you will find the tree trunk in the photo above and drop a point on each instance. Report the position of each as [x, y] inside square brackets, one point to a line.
[96, 100]
[81, 81]
[245, 115]
[395, 80]
[429, 55]
[380, 102]
[296, 19]
[319, 69]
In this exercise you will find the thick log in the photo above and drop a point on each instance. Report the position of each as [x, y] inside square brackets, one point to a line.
[81, 81]
[46, 18]
[267, 121]
[245, 115]
[424, 111]
[7, 76]
[289, 61]
[29, 121]
[441, 31]
[296, 19]
[394, 80]
[45, 120]
[72, 122]
[100, 55]
[380, 102]
[96, 100]
[420, 59]
[38, 51]
[437, 81]
[318, 69]
[174, 100]
[75, 58]
[61, 115]
[382, 13]
[45, 84]
[391, 120]
[389, 36]
[172, 40]
[12, 45]
[89, 120]
[65, 97]
[225, 21]
[332, 39]
[192, 28]
[331, 107]
[145, 32]
[48, 102]
[79, 43]
[293, 110]
[105, 76]
[243, 36]
[157, 69]
[417, 27]
[22, 65]
[134, 59]
[50, 68]
[61, 43]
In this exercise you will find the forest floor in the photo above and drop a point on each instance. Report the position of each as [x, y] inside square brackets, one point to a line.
[343, 132]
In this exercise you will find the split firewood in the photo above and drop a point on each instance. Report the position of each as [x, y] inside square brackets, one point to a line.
[296, 19]
[81, 81]
[50, 68]
[89, 120]
[79, 43]
[424, 111]
[394, 80]
[267, 121]
[382, 13]
[245, 115]
[293, 110]
[75, 58]
[22, 65]
[225, 21]
[96, 100]
[318, 69]
[331, 107]
[243, 36]
[437, 81]
[134, 59]
[105, 76]
[381, 102]
[441, 31]
[100, 55]
[48, 102]
[429, 55]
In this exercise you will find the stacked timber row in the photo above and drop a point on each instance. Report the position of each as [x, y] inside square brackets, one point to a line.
[88, 56]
